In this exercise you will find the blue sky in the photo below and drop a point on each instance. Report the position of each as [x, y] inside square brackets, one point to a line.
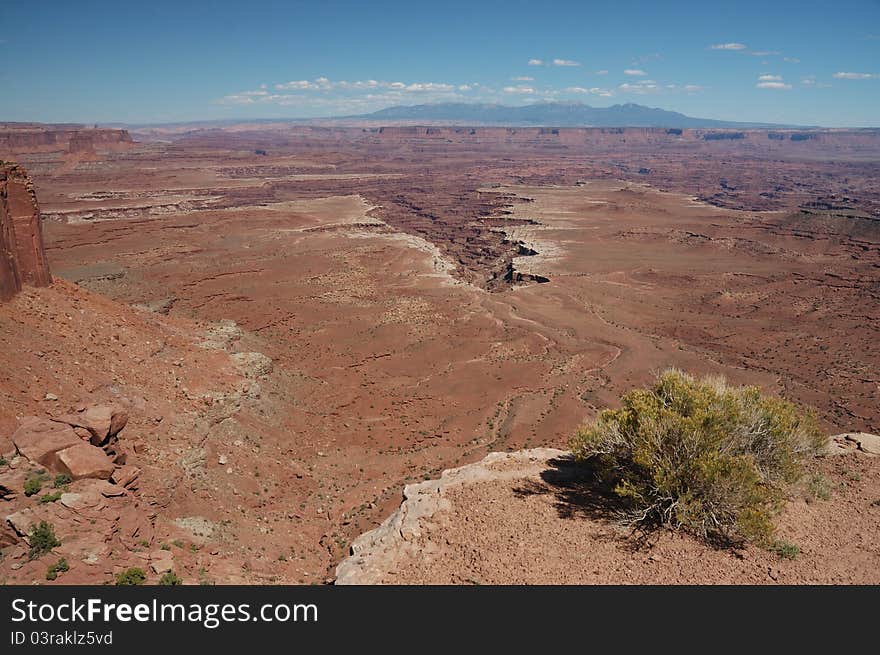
[792, 62]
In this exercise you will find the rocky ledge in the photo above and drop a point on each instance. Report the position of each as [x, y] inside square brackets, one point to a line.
[376, 551]
[429, 511]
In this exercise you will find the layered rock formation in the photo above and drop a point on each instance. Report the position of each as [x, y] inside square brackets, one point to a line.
[22, 256]
[31, 137]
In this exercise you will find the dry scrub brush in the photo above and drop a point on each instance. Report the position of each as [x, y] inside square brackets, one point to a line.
[701, 455]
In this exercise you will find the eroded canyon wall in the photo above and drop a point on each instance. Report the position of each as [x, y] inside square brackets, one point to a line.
[29, 138]
[22, 255]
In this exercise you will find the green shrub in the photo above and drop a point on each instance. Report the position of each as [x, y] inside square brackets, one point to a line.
[42, 539]
[700, 455]
[170, 578]
[32, 485]
[785, 549]
[50, 498]
[62, 479]
[61, 566]
[132, 576]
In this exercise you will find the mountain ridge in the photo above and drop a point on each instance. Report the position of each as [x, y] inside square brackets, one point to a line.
[556, 114]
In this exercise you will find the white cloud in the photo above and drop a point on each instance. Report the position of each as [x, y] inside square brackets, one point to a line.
[523, 78]
[773, 85]
[565, 62]
[728, 46]
[602, 72]
[641, 87]
[326, 96]
[634, 71]
[296, 84]
[791, 60]
[596, 91]
[770, 78]
[536, 62]
[693, 88]
[525, 90]
[764, 53]
[856, 76]
[429, 86]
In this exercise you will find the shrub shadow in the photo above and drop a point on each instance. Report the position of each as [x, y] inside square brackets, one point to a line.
[580, 493]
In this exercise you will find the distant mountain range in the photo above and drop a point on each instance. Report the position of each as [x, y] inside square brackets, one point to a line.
[551, 114]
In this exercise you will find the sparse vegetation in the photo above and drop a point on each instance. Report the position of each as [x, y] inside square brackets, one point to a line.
[42, 539]
[50, 498]
[61, 566]
[786, 549]
[61, 480]
[700, 455]
[819, 487]
[32, 485]
[170, 578]
[132, 576]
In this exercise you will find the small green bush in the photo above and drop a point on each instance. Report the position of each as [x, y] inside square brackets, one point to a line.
[50, 498]
[32, 485]
[132, 576]
[61, 566]
[62, 479]
[700, 455]
[42, 539]
[785, 549]
[170, 578]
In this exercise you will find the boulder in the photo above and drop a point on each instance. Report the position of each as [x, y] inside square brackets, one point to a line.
[126, 476]
[8, 536]
[11, 483]
[85, 461]
[41, 439]
[22, 522]
[849, 442]
[161, 561]
[864, 441]
[110, 490]
[103, 422]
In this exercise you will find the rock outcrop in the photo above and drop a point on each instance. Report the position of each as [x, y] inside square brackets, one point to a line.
[861, 441]
[65, 471]
[22, 254]
[376, 551]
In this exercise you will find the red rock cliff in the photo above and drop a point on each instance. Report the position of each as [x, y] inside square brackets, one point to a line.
[22, 256]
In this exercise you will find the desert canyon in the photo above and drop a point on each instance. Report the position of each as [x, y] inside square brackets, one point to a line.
[240, 343]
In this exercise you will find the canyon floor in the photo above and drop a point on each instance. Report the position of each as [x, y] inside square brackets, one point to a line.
[425, 297]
